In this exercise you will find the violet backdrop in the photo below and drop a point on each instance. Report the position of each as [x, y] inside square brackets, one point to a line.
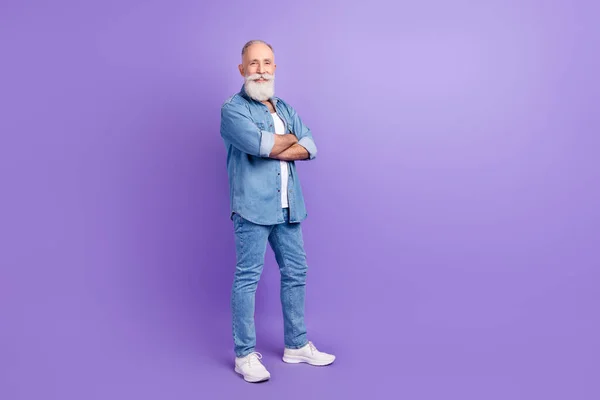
[453, 224]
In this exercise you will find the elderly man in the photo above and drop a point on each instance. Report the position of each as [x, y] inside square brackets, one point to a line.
[264, 136]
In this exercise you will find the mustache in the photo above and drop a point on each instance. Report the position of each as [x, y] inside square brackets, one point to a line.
[265, 76]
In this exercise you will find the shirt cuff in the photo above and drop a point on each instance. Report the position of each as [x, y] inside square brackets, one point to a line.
[267, 141]
[309, 145]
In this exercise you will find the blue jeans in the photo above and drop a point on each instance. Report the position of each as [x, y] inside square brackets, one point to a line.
[251, 245]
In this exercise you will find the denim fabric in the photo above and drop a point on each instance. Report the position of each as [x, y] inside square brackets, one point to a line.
[251, 244]
[248, 133]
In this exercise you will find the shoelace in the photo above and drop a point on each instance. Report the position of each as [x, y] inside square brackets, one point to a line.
[256, 356]
[313, 349]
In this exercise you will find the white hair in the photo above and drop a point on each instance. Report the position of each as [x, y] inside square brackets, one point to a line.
[250, 43]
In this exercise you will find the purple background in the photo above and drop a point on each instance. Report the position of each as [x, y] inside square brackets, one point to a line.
[454, 218]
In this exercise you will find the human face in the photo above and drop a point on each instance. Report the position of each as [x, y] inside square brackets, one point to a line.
[258, 59]
[258, 69]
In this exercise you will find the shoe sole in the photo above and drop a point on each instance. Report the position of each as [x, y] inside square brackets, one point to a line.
[301, 359]
[252, 379]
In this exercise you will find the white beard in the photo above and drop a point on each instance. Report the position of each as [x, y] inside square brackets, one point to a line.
[260, 91]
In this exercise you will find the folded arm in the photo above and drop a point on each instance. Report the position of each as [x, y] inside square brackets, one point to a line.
[282, 143]
[239, 130]
[293, 153]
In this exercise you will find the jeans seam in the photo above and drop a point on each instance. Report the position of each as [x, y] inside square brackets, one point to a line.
[241, 241]
[285, 265]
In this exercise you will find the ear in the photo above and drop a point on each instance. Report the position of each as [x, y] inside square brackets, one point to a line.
[241, 68]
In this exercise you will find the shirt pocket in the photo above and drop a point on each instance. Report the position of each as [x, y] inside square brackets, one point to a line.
[261, 126]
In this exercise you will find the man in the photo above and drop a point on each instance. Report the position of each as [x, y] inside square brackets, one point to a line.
[264, 136]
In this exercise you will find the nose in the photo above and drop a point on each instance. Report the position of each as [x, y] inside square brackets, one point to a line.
[259, 69]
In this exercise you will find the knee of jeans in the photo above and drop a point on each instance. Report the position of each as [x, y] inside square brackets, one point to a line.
[247, 280]
[245, 285]
[294, 274]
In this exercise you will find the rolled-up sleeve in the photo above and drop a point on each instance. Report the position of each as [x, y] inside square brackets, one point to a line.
[309, 145]
[238, 129]
[267, 141]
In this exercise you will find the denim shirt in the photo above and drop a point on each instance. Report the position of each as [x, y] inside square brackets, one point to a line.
[248, 131]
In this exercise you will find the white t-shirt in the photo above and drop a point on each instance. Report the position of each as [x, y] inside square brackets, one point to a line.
[280, 130]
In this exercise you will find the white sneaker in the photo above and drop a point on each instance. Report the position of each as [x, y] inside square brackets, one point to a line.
[307, 354]
[251, 368]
